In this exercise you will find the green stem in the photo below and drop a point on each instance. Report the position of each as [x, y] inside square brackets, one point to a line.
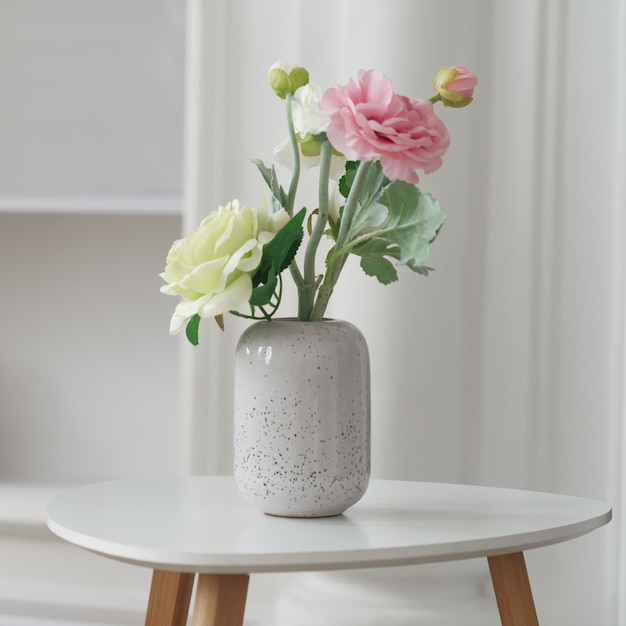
[351, 203]
[307, 292]
[295, 153]
[274, 305]
[337, 262]
[326, 289]
[293, 185]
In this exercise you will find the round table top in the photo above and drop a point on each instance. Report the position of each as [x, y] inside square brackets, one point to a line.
[202, 524]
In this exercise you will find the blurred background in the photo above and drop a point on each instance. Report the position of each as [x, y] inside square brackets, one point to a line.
[124, 122]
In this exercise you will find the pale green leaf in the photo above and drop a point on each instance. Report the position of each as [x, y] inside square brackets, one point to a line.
[279, 198]
[379, 267]
[414, 221]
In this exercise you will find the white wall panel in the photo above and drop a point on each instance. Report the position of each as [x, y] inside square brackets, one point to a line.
[91, 97]
[91, 122]
[88, 372]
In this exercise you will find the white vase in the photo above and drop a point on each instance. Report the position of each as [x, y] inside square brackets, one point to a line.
[302, 417]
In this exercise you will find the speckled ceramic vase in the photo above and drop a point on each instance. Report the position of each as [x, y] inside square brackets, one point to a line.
[302, 417]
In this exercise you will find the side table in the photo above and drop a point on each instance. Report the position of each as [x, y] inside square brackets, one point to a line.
[201, 525]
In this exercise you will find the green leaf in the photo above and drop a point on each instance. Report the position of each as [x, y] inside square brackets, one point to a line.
[271, 179]
[415, 219]
[369, 218]
[372, 255]
[280, 251]
[420, 269]
[345, 182]
[262, 294]
[277, 256]
[373, 261]
[379, 267]
[191, 329]
[369, 213]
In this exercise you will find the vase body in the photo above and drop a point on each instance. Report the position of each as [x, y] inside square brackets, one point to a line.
[302, 417]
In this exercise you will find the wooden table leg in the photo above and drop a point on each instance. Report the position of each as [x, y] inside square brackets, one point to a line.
[513, 592]
[170, 596]
[220, 600]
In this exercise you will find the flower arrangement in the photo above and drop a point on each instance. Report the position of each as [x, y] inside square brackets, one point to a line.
[368, 143]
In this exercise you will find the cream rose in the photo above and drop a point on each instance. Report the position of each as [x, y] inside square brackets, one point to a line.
[212, 268]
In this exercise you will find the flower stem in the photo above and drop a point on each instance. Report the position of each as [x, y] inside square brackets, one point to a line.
[336, 262]
[293, 186]
[351, 203]
[295, 153]
[307, 292]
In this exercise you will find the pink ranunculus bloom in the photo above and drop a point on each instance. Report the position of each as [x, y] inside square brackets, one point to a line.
[369, 121]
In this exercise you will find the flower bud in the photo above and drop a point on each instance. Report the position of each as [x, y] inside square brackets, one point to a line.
[455, 86]
[285, 78]
[310, 146]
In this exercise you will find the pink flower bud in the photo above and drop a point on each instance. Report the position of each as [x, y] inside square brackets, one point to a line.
[455, 86]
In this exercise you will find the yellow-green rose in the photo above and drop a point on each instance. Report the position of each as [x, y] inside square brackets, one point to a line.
[212, 268]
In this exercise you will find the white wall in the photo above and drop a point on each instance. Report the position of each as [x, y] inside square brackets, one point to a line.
[91, 97]
[91, 135]
[90, 164]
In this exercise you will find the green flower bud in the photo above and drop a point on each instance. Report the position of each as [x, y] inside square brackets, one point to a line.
[310, 146]
[285, 78]
[298, 78]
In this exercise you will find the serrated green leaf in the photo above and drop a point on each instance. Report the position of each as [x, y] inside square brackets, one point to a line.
[283, 247]
[262, 294]
[415, 219]
[345, 182]
[191, 330]
[379, 267]
[280, 251]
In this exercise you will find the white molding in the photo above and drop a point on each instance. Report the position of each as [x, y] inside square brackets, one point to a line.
[550, 67]
[619, 436]
[506, 390]
[201, 384]
[100, 204]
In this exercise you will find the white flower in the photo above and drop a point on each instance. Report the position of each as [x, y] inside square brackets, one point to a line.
[212, 268]
[308, 121]
[335, 203]
[307, 117]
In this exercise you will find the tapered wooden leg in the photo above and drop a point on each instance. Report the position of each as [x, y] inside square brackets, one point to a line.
[220, 600]
[170, 596]
[512, 587]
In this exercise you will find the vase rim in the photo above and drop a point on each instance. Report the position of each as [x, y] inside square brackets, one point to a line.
[295, 319]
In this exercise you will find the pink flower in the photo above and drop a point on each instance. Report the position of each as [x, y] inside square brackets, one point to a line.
[369, 121]
[455, 85]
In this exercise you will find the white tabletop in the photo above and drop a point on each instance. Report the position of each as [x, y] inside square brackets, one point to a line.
[203, 524]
